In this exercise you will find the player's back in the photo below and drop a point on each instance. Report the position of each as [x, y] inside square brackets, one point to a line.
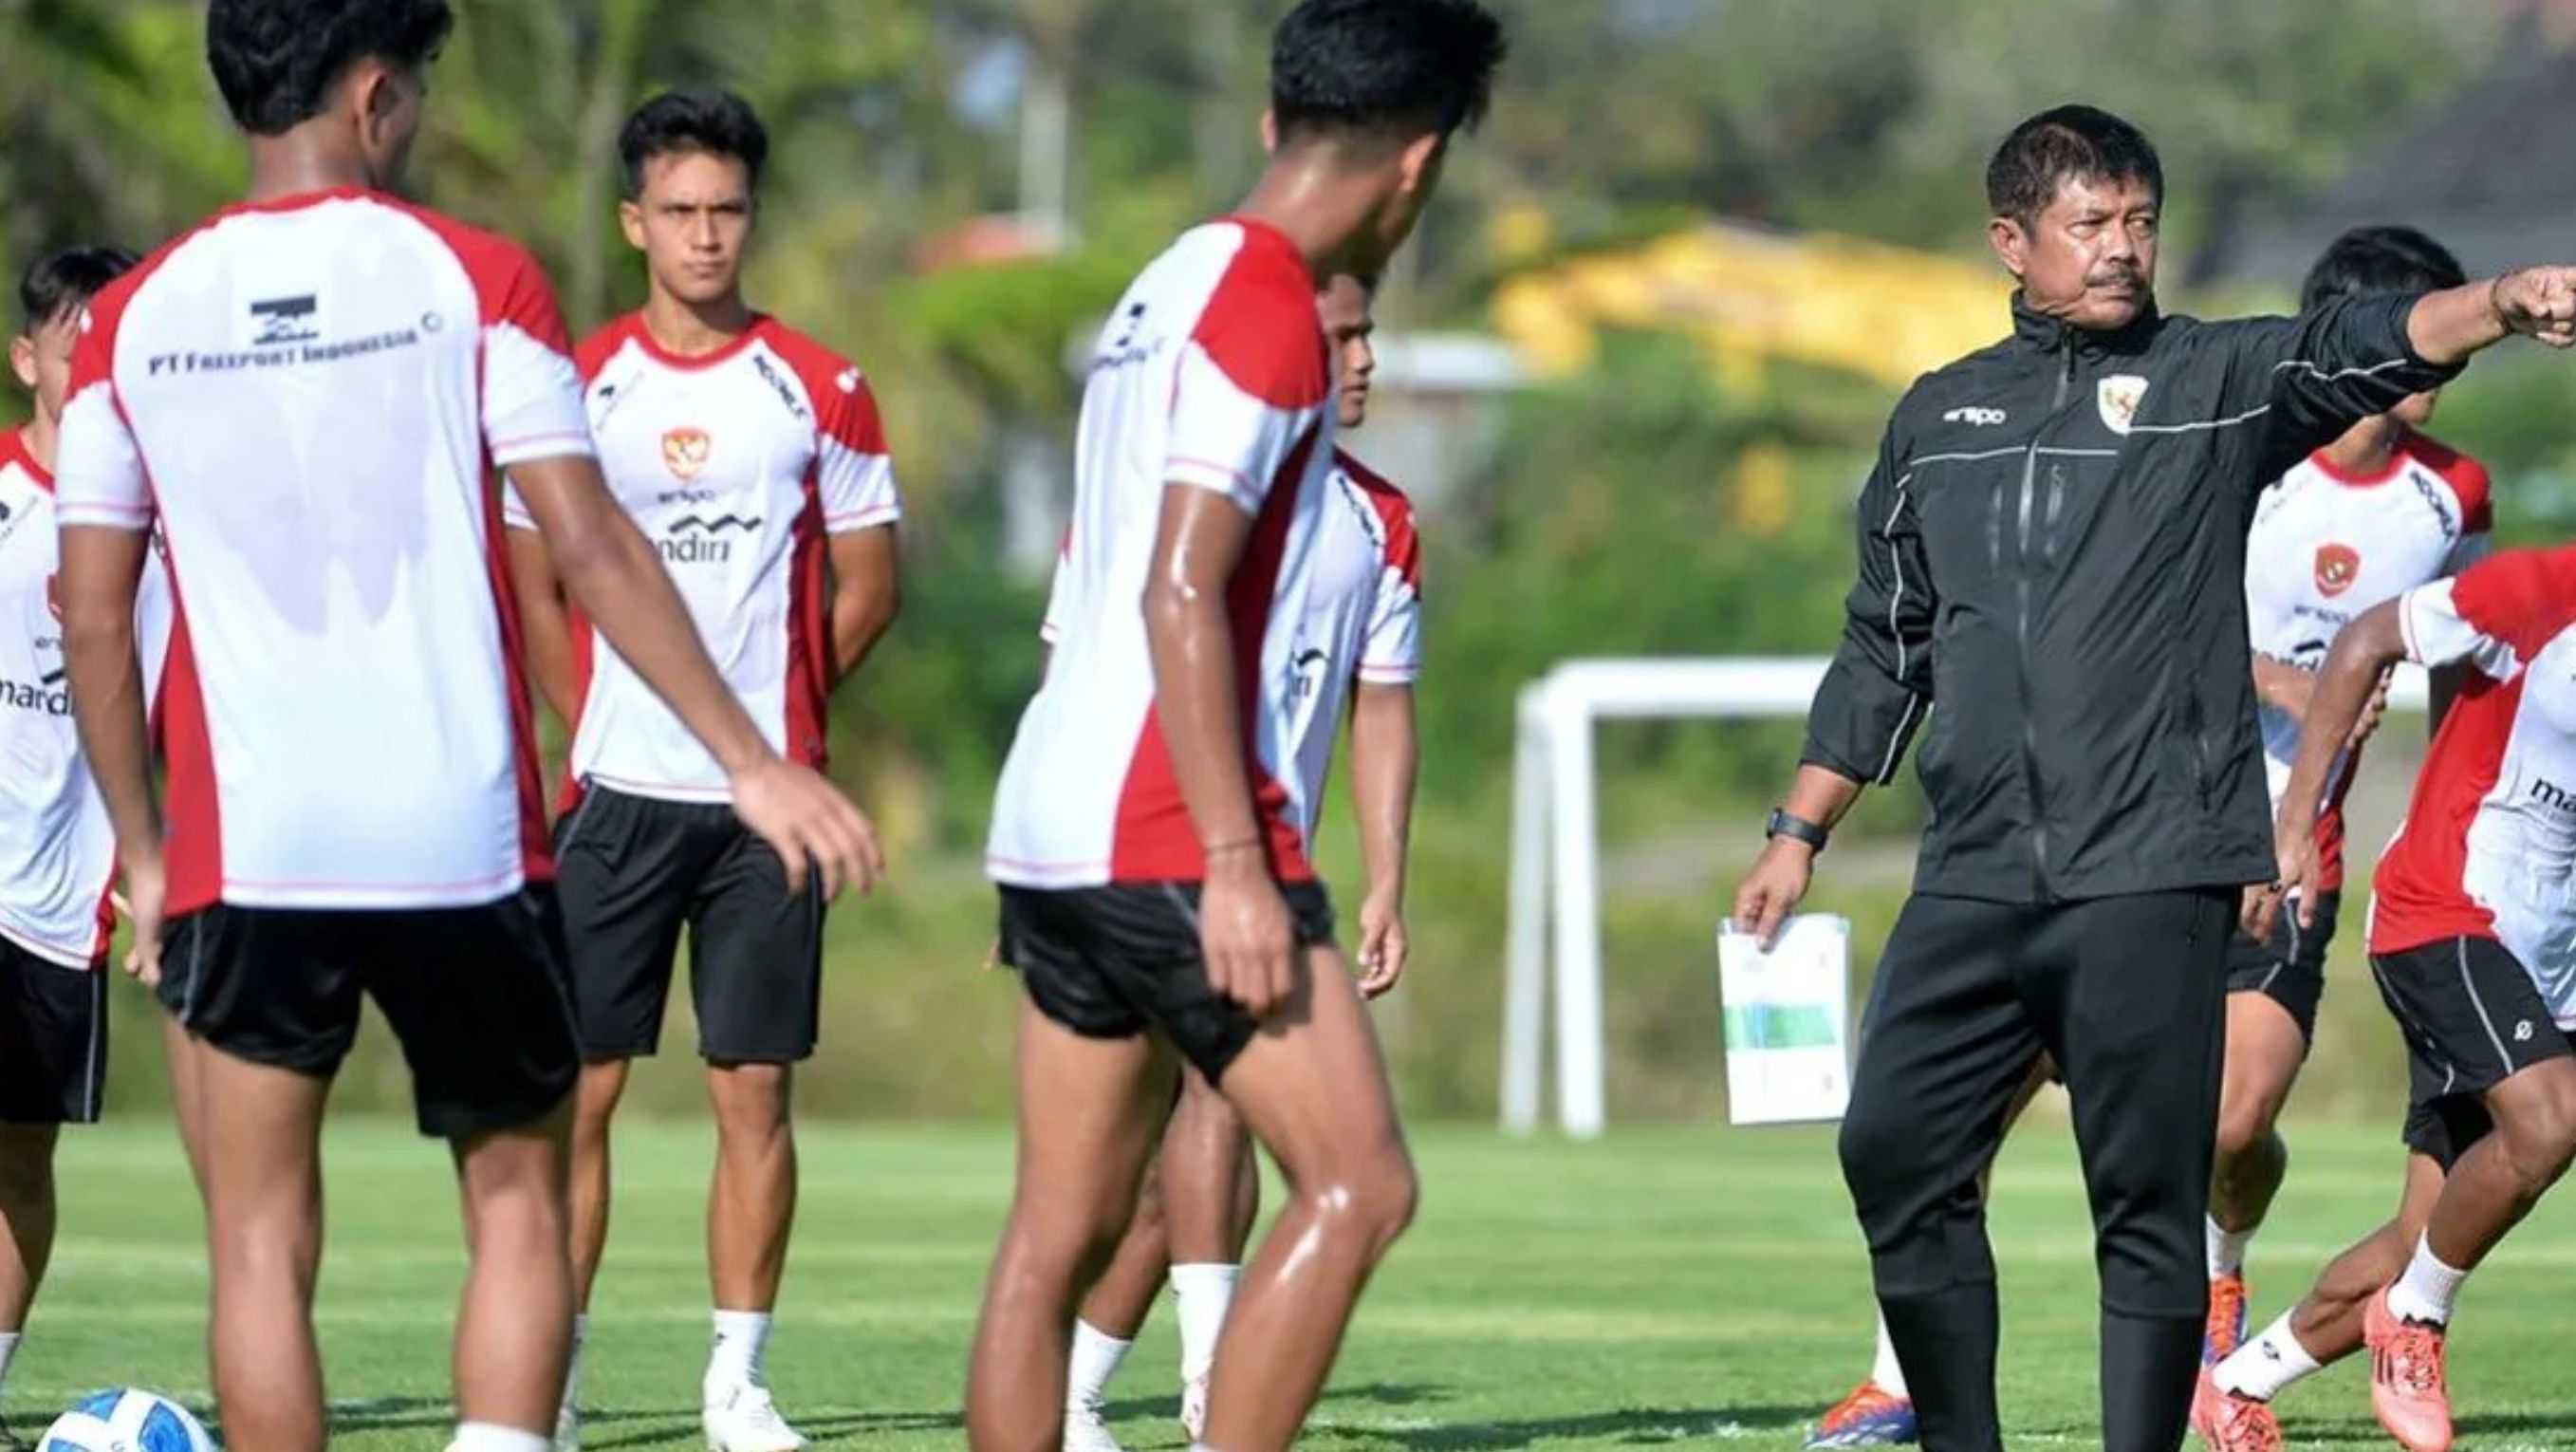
[311, 397]
[1211, 373]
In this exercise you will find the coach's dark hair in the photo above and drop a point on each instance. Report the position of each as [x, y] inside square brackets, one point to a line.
[700, 118]
[2366, 260]
[2063, 144]
[1383, 66]
[61, 283]
[276, 61]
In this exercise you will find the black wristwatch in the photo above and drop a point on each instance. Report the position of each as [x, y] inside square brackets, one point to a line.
[1796, 829]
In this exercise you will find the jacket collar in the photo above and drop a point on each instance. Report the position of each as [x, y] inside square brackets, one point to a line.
[2049, 334]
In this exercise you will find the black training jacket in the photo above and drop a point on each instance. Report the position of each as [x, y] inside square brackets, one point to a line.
[2052, 566]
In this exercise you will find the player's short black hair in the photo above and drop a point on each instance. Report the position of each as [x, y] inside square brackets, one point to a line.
[276, 61]
[2063, 144]
[2379, 259]
[698, 118]
[60, 283]
[1383, 66]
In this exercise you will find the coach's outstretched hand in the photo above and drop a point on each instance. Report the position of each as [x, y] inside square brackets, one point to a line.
[1774, 888]
[806, 820]
[2539, 303]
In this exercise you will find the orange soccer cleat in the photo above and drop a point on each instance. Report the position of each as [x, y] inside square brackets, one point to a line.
[2408, 1386]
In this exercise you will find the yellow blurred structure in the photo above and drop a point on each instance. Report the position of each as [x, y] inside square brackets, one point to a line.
[1752, 297]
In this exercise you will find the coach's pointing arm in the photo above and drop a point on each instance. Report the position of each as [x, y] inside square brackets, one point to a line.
[2319, 373]
[1875, 694]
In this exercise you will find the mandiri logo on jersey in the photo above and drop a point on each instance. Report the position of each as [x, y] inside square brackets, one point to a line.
[685, 452]
[2338, 565]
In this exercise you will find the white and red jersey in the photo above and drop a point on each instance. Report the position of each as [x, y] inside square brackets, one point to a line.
[2488, 847]
[1363, 621]
[1212, 374]
[54, 831]
[736, 464]
[309, 396]
[2327, 545]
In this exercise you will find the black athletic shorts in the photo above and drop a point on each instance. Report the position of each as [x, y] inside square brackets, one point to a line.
[633, 871]
[2472, 1018]
[53, 1039]
[1112, 962]
[2290, 970]
[476, 995]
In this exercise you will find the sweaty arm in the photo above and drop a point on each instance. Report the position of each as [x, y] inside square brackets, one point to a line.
[1244, 932]
[866, 594]
[2362, 655]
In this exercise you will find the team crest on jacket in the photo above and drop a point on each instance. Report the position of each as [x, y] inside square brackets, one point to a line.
[684, 452]
[2337, 566]
[2118, 397]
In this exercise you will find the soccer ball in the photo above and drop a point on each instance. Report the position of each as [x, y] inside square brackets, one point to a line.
[126, 1420]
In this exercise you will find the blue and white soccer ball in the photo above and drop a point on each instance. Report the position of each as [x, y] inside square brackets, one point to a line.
[126, 1420]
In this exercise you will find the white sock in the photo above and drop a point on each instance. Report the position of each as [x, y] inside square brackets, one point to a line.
[2428, 1288]
[742, 1337]
[572, 1365]
[8, 1350]
[2226, 1248]
[493, 1437]
[1885, 1371]
[1096, 1355]
[2263, 1366]
[1203, 1293]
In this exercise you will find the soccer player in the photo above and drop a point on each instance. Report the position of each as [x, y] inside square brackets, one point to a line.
[54, 917]
[2376, 512]
[1157, 893]
[1364, 651]
[753, 458]
[2473, 941]
[307, 392]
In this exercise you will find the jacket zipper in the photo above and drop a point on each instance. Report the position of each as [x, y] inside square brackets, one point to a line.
[2021, 590]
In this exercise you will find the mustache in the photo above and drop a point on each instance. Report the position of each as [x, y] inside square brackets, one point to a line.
[2117, 276]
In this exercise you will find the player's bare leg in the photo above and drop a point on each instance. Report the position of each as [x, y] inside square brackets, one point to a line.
[1123, 1297]
[1090, 1114]
[1112, 1314]
[751, 1208]
[2231, 1410]
[187, 1100]
[263, 1181]
[2497, 1180]
[594, 1106]
[1211, 1192]
[26, 1224]
[603, 1084]
[1313, 1088]
[513, 1332]
[2264, 1051]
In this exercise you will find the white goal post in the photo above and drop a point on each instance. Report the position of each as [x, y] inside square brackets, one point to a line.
[1556, 862]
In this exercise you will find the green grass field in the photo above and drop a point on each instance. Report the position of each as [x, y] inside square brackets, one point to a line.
[1665, 1286]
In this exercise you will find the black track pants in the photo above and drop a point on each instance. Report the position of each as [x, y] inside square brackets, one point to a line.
[2127, 994]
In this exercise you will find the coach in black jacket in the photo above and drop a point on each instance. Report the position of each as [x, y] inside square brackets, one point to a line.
[2052, 557]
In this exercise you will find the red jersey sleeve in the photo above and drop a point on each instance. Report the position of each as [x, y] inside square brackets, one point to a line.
[2496, 615]
[853, 470]
[1250, 381]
